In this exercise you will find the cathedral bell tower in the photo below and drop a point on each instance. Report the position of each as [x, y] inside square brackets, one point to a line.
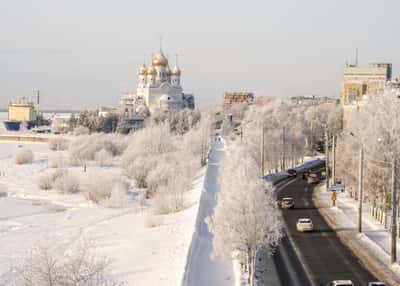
[176, 74]
[142, 76]
[151, 75]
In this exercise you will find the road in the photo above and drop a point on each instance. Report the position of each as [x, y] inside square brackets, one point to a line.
[322, 252]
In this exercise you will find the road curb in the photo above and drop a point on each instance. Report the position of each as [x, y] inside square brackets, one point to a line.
[359, 248]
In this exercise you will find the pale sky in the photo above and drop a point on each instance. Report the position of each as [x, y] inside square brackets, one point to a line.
[85, 53]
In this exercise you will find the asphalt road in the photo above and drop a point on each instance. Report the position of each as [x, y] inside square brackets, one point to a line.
[325, 257]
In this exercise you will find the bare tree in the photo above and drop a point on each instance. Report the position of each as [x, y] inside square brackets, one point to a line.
[48, 264]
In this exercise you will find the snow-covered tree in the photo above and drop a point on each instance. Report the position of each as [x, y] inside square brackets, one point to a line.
[58, 144]
[23, 156]
[110, 191]
[66, 183]
[246, 218]
[290, 130]
[84, 148]
[375, 127]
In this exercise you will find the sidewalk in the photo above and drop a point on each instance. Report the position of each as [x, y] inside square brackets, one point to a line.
[202, 268]
[372, 246]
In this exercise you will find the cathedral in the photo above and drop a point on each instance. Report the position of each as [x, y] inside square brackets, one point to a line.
[159, 87]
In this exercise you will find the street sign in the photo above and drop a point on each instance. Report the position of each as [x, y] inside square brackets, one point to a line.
[333, 198]
[337, 188]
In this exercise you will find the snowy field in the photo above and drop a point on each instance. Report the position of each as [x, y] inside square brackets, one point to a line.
[141, 255]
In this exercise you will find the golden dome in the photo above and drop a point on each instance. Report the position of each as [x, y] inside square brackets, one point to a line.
[151, 71]
[176, 71]
[159, 59]
[142, 70]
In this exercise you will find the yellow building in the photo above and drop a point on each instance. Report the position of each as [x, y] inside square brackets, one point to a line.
[359, 81]
[21, 110]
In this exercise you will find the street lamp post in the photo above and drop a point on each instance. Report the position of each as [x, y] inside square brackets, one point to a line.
[333, 160]
[360, 189]
[327, 158]
[393, 253]
[262, 151]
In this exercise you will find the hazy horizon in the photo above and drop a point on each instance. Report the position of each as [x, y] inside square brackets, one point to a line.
[86, 53]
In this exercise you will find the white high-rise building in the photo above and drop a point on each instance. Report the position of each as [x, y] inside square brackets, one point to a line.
[159, 87]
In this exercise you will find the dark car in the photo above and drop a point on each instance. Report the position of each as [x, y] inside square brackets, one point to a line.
[305, 174]
[286, 203]
[292, 173]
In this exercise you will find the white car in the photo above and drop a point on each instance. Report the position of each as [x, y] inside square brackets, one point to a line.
[341, 283]
[377, 283]
[304, 224]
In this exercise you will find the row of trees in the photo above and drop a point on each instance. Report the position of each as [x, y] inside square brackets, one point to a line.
[375, 127]
[290, 130]
[180, 121]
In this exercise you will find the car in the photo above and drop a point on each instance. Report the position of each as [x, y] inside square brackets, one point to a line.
[305, 174]
[286, 203]
[292, 173]
[312, 179]
[340, 283]
[304, 224]
[377, 283]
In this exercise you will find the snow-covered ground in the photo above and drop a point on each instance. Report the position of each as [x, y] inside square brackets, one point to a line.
[375, 238]
[141, 255]
[202, 268]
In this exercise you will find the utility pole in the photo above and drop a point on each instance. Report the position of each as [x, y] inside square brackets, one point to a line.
[327, 158]
[333, 160]
[360, 189]
[393, 256]
[262, 152]
[292, 160]
[283, 148]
